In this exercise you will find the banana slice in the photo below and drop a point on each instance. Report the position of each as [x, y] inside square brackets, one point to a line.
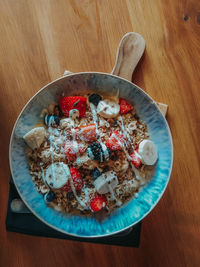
[148, 152]
[104, 181]
[35, 137]
[108, 109]
[57, 175]
[101, 185]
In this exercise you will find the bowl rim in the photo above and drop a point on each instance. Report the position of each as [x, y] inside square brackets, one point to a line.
[152, 206]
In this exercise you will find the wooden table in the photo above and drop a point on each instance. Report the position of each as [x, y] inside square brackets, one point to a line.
[39, 40]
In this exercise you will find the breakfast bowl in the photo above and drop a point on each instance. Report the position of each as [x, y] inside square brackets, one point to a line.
[135, 209]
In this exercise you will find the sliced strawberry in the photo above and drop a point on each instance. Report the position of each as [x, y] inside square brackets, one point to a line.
[72, 148]
[135, 158]
[88, 132]
[77, 181]
[114, 139]
[125, 107]
[98, 203]
[75, 133]
[85, 132]
[68, 103]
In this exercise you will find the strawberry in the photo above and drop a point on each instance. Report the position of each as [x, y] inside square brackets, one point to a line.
[113, 143]
[98, 203]
[77, 181]
[68, 103]
[125, 107]
[88, 132]
[135, 158]
[72, 148]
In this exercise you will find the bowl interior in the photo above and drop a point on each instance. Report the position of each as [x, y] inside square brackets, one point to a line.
[135, 209]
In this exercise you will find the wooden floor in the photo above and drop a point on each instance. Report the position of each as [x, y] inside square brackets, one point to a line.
[40, 39]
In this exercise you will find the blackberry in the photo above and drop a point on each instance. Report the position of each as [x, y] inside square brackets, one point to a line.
[58, 111]
[95, 173]
[49, 197]
[95, 99]
[95, 152]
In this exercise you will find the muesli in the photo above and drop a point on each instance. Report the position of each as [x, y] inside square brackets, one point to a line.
[91, 153]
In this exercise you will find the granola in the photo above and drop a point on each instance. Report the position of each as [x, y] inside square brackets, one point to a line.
[90, 154]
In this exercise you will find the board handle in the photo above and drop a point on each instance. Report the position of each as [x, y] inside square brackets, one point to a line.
[129, 52]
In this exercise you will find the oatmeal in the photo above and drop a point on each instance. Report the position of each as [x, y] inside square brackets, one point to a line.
[91, 154]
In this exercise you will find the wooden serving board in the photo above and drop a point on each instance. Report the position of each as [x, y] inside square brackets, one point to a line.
[129, 53]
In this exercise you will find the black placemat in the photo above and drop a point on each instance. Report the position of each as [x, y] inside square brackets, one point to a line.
[29, 224]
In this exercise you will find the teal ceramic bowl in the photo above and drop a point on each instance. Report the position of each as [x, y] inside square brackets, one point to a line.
[130, 213]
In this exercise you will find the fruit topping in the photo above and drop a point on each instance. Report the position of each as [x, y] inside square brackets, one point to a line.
[68, 103]
[95, 99]
[57, 175]
[35, 137]
[95, 173]
[58, 111]
[125, 107]
[72, 148]
[87, 132]
[106, 181]
[115, 141]
[97, 203]
[108, 109]
[51, 120]
[49, 197]
[77, 181]
[98, 151]
[135, 158]
[148, 152]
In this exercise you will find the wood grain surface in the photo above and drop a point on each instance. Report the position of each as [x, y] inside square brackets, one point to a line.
[40, 39]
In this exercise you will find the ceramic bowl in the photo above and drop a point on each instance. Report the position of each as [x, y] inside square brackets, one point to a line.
[134, 210]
